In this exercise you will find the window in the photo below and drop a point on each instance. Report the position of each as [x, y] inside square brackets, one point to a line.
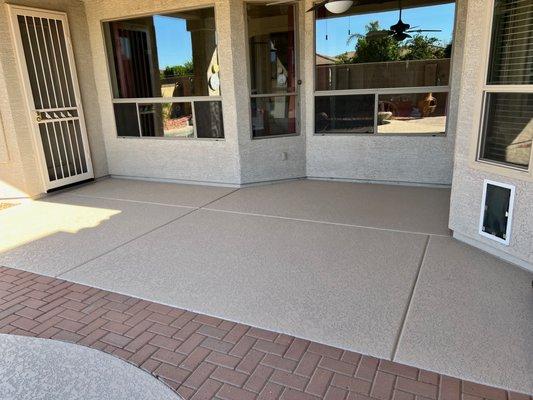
[165, 75]
[507, 128]
[272, 60]
[372, 78]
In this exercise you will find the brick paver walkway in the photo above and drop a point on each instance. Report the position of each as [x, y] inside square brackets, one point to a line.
[202, 357]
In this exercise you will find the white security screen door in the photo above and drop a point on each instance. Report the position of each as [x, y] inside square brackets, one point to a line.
[47, 65]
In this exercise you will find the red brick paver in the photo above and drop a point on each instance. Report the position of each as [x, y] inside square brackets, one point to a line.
[203, 357]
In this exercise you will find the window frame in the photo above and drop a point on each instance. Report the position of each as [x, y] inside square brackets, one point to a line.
[380, 91]
[486, 89]
[110, 65]
[297, 72]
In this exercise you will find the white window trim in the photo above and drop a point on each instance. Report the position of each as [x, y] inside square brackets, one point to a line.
[508, 227]
[480, 163]
[377, 91]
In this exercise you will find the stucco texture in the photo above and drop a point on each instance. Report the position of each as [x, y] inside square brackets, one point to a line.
[19, 169]
[468, 175]
[405, 159]
[213, 161]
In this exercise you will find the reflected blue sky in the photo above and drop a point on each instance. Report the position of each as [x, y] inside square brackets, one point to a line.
[431, 17]
[173, 41]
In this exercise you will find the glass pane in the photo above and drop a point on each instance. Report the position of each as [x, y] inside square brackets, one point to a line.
[406, 114]
[209, 122]
[344, 114]
[126, 120]
[508, 129]
[511, 59]
[359, 49]
[171, 55]
[272, 48]
[273, 116]
[166, 120]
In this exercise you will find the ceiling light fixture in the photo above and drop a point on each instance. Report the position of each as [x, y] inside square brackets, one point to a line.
[338, 6]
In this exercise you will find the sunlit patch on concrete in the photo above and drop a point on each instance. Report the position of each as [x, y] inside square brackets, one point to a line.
[38, 219]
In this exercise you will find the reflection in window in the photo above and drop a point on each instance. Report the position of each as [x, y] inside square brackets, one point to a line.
[404, 114]
[126, 119]
[170, 55]
[209, 122]
[271, 31]
[351, 53]
[166, 120]
[165, 56]
[344, 114]
[508, 129]
[273, 116]
[369, 55]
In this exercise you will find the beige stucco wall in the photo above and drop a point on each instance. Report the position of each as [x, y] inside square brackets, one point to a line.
[469, 175]
[262, 159]
[19, 171]
[419, 160]
[212, 161]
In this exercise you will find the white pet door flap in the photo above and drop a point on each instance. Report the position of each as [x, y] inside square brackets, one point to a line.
[496, 211]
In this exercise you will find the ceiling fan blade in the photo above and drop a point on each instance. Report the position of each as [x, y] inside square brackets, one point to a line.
[317, 6]
[399, 36]
[424, 30]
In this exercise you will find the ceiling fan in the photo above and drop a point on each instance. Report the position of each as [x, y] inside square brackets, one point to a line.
[399, 31]
[333, 6]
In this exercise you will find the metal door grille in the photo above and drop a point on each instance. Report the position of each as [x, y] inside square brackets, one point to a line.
[56, 108]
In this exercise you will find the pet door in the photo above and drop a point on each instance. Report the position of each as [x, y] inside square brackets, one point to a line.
[497, 211]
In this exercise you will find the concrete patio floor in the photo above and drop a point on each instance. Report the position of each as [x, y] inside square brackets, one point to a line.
[369, 268]
[40, 369]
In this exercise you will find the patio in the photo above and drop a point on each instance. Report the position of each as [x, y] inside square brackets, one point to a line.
[371, 269]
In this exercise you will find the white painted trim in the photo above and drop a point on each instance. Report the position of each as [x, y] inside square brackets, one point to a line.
[512, 188]
[493, 251]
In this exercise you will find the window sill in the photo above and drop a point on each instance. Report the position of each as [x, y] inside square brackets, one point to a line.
[287, 135]
[503, 170]
[178, 139]
[407, 135]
